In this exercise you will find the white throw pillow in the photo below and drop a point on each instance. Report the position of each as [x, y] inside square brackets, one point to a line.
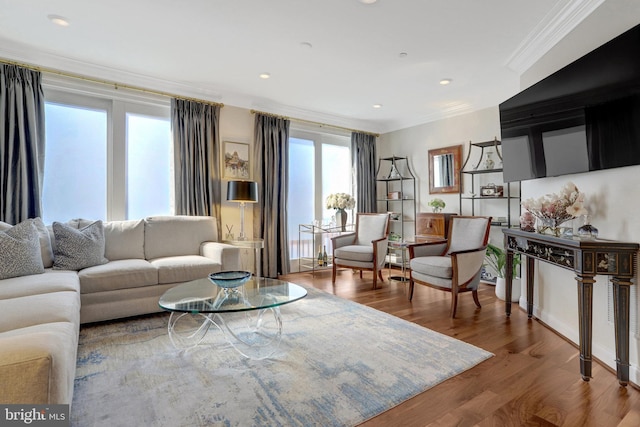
[78, 248]
[20, 251]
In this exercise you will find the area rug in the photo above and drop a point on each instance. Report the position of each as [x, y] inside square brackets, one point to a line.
[339, 364]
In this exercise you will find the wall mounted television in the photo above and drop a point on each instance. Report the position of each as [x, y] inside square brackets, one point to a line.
[582, 118]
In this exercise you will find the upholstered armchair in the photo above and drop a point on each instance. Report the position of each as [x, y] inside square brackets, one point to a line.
[365, 249]
[455, 265]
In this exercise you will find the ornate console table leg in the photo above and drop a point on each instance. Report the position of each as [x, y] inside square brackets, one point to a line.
[585, 309]
[621, 297]
[531, 272]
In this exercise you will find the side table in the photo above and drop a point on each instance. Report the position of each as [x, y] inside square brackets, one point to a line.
[402, 247]
[255, 244]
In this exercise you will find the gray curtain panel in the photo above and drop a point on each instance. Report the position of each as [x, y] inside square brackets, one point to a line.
[272, 165]
[22, 141]
[196, 158]
[363, 155]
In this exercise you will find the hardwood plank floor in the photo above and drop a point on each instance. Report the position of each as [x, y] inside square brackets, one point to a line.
[533, 380]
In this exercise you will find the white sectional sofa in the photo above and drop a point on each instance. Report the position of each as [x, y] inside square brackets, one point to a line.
[40, 313]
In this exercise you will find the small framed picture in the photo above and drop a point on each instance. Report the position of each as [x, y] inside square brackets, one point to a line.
[237, 164]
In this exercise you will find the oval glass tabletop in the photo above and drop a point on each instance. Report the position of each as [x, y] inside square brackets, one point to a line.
[203, 296]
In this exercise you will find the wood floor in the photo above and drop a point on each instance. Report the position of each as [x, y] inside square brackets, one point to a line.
[533, 380]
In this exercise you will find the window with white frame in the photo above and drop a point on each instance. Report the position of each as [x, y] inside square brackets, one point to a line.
[106, 157]
[319, 165]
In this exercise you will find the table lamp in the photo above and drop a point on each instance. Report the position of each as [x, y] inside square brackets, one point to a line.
[243, 192]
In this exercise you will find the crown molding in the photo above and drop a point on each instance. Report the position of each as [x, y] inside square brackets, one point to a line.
[560, 21]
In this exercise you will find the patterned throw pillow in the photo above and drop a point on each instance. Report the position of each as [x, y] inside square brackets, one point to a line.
[78, 248]
[20, 251]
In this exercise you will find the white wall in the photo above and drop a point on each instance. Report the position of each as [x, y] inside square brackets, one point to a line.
[612, 196]
[236, 125]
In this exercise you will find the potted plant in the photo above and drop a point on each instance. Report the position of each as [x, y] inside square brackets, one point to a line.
[437, 204]
[496, 258]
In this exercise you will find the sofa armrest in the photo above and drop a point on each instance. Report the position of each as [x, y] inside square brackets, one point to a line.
[228, 256]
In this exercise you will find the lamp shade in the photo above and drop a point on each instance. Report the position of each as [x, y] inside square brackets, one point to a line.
[242, 191]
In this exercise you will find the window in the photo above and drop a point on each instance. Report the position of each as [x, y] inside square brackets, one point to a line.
[106, 158]
[319, 164]
[75, 178]
[149, 167]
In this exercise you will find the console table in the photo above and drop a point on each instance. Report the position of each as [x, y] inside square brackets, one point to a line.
[587, 258]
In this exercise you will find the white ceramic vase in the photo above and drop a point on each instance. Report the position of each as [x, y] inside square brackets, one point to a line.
[515, 289]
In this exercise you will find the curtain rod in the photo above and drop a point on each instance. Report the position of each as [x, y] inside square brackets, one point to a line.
[313, 123]
[107, 82]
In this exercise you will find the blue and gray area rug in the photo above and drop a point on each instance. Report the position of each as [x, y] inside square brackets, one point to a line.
[339, 364]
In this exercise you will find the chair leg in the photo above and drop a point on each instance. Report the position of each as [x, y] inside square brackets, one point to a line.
[454, 304]
[410, 288]
[361, 274]
[380, 275]
[375, 280]
[475, 298]
[333, 274]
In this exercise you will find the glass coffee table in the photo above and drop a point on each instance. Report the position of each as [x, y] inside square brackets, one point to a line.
[249, 315]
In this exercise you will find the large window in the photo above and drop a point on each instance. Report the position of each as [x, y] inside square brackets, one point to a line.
[75, 179]
[149, 166]
[106, 159]
[319, 164]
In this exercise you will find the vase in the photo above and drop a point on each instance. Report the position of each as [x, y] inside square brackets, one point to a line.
[341, 219]
[551, 226]
[586, 230]
[436, 209]
[501, 289]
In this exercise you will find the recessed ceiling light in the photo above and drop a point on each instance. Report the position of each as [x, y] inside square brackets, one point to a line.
[402, 55]
[368, 1]
[377, 105]
[445, 82]
[59, 20]
[265, 75]
[306, 45]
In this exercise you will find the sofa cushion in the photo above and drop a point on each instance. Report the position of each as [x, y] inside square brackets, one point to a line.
[20, 249]
[166, 236]
[178, 269]
[436, 266]
[124, 240]
[119, 274]
[78, 248]
[50, 281]
[21, 312]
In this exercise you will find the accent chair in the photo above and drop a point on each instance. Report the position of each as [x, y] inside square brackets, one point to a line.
[455, 265]
[366, 249]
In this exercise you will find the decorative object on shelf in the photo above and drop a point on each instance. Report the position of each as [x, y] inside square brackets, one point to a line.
[586, 230]
[243, 192]
[340, 202]
[393, 195]
[437, 204]
[552, 210]
[394, 174]
[527, 222]
[394, 216]
[488, 162]
[491, 190]
[497, 259]
[394, 237]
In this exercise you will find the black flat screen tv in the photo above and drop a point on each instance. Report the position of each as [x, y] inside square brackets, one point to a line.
[582, 118]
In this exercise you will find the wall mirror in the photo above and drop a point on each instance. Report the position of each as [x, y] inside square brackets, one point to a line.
[444, 170]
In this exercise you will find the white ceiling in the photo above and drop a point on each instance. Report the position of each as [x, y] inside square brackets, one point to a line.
[216, 49]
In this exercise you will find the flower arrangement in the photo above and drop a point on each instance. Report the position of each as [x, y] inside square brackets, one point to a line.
[437, 204]
[340, 201]
[556, 208]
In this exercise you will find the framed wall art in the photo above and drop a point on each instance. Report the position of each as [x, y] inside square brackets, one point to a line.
[236, 161]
